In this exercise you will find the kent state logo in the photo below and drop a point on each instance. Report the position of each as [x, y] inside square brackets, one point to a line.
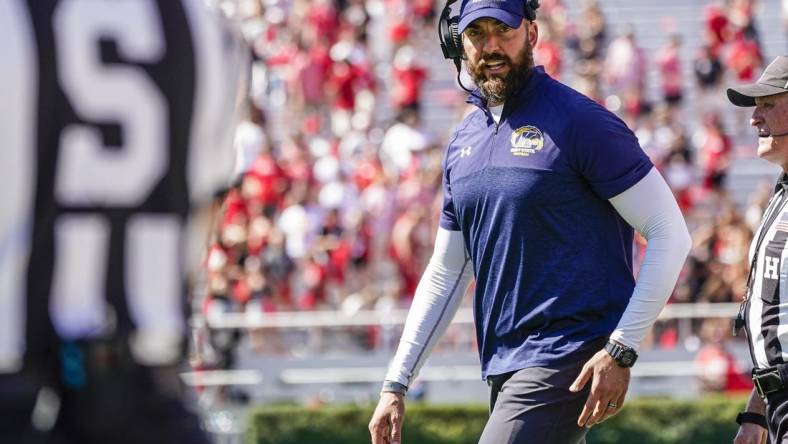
[526, 140]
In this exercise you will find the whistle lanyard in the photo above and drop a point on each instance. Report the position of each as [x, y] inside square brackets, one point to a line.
[773, 210]
[771, 215]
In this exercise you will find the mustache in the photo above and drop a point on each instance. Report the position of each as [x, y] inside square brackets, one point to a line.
[493, 58]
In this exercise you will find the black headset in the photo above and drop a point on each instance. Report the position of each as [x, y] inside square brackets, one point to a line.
[448, 32]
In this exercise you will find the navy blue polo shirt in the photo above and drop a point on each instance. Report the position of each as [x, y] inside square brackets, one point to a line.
[551, 256]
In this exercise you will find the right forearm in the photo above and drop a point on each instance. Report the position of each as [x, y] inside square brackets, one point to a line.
[437, 298]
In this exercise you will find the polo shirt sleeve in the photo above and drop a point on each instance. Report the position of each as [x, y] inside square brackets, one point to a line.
[448, 217]
[606, 152]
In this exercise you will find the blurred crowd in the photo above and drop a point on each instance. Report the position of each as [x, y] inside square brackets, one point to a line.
[337, 187]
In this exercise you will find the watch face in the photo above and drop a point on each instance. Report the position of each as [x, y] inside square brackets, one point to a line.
[627, 358]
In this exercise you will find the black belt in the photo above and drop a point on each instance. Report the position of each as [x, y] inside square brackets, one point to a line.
[770, 380]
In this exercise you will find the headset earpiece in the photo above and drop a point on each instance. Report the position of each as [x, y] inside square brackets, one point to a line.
[530, 9]
[451, 43]
[448, 27]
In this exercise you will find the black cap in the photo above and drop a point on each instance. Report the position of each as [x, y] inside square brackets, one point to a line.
[774, 80]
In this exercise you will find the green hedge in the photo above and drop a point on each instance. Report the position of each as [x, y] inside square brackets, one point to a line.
[643, 421]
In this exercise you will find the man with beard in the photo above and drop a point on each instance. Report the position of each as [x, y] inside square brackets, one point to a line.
[542, 189]
[763, 311]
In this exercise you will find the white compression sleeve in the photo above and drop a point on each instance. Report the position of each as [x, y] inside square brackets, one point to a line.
[437, 298]
[650, 208]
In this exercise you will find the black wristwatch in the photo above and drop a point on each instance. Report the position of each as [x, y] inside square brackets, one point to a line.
[623, 355]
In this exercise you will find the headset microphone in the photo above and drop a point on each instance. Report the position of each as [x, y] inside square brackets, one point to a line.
[449, 34]
[779, 135]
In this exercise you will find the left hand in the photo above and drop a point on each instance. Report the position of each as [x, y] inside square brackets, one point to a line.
[609, 384]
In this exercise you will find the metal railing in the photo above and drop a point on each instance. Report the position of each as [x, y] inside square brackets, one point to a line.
[313, 319]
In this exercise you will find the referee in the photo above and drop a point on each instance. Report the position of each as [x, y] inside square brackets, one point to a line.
[765, 307]
[116, 131]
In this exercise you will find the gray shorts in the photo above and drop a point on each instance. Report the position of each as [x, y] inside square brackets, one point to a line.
[534, 405]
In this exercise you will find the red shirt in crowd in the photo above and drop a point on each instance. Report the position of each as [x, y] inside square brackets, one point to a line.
[669, 65]
[345, 81]
[323, 19]
[716, 28]
[234, 207]
[548, 53]
[407, 85]
[311, 72]
[269, 179]
[744, 59]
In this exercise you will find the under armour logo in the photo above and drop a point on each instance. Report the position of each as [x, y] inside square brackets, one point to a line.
[465, 151]
[771, 267]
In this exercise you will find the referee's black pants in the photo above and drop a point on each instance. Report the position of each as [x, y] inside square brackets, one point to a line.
[98, 395]
[18, 395]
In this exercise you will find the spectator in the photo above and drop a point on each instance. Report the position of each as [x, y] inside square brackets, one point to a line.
[716, 31]
[548, 51]
[715, 153]
[409, 76]
[625, 64]
[588, 37]
[744, 58]
[742, 18]
[718, 369]
[707, 68]
[250, 140]
[310, 72]
[401, 140]
[708, 71]
[669, 66]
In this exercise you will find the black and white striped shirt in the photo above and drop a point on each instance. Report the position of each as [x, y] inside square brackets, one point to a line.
[116, 122]
[766, 311]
